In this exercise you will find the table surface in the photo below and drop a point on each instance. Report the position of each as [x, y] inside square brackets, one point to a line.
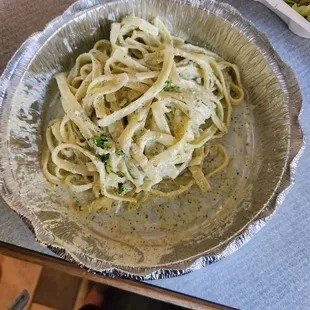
[272, 271]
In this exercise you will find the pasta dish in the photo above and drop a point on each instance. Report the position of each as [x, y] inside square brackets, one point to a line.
[142, 111]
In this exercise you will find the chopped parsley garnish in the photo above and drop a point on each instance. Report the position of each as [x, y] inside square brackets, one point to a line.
[292, 2]
[100, 141]
[104, 158]
[169, 86]
[120, 188]
[120, 153]
[118, 173]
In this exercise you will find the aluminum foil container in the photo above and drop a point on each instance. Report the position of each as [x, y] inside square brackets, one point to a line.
[164, 238]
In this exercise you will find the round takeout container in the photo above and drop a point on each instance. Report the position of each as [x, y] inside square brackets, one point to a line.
[163, 238]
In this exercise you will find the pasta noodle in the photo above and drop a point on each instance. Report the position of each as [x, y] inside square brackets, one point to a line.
[140, 111]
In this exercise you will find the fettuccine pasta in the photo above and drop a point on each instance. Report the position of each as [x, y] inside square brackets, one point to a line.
[141, 111]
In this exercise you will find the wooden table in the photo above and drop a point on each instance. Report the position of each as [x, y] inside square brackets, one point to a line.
[21, 269]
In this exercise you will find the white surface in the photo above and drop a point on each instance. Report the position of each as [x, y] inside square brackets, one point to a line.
[296, 23]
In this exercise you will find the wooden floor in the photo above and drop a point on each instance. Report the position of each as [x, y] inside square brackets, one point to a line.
[17, 275]
[53, 284]
[48, 289]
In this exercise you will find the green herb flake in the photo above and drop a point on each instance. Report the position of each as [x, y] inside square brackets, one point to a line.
[297, 2]
[104, 158]
[290, 2]
[120, 174]
[120, 153]
[120, 188]
[169, 86]
[100, 141]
